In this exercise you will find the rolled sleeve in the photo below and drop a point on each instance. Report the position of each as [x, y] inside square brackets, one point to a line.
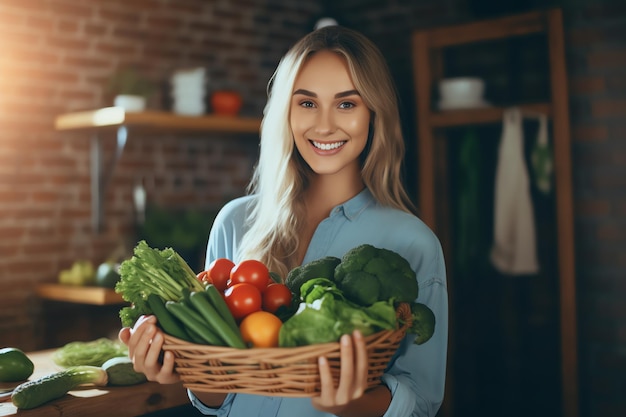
[223, 411]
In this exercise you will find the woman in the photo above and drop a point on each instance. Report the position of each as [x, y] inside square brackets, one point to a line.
[327, 180]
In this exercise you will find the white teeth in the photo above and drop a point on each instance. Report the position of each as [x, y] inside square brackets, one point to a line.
[328, 146]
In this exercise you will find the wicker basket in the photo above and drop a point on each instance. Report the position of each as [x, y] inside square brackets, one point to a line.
[284, 372]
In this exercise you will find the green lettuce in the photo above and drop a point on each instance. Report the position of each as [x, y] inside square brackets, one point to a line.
[324, 315]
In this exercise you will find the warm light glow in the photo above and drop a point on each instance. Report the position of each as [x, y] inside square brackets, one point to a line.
[108, 116]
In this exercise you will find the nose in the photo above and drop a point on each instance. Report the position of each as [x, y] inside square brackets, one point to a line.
[325, 122]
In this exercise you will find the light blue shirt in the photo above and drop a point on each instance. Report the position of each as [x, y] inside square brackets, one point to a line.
[416, 374]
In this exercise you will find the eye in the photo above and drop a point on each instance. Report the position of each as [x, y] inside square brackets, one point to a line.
[346, 105]
[307, 103]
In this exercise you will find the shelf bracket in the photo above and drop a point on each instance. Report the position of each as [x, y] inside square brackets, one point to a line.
[100, 177]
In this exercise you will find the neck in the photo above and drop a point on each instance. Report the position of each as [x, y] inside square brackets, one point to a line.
[327, 191]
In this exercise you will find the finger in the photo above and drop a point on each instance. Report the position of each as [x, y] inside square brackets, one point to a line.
[168, 368]
[124, 335]
[153, 353]
[139, 345]
[362, 364]
[327, 385]
[153, 362]
[346, 376]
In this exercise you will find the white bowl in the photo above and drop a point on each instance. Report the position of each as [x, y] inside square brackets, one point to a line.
[462, 90]
[130, 103]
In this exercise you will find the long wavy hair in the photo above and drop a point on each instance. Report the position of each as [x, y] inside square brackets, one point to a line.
[281, 176]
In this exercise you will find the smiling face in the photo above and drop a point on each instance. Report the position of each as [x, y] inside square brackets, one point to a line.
[329, 120]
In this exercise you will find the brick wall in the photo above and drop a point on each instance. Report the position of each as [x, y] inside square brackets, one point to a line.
[55, 57]
[597, 66]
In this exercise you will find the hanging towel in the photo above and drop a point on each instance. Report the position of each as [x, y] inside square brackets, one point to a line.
[541, 158]
[514, 250]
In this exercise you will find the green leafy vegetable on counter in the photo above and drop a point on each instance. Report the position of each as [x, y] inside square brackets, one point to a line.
[325, 314]
[153, 271]
[93, 353]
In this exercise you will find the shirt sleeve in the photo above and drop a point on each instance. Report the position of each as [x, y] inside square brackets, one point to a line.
[416, 377]
[223, 411]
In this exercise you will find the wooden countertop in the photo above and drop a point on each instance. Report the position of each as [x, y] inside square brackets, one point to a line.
[79, 294]
[126, 401]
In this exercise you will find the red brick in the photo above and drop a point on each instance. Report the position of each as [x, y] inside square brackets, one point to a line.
[589, 133]
[40, 23]
[587, 85]
[592, 208]
[68, 26]
[608, 108]
[606, 59]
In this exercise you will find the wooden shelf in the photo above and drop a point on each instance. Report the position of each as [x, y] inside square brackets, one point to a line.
[466, 117]
[118, 119]
[81, 295]
[117, 116]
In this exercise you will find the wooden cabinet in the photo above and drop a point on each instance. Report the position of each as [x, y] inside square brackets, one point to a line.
[436, 205]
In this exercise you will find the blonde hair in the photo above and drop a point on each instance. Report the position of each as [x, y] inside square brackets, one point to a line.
[281, 175]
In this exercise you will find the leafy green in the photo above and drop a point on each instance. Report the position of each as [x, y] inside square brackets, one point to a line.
[369, 278]
[93, 352]
[324, 315]
[152, 271]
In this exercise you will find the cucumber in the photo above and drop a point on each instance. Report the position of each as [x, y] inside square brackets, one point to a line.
[170, 324]
[34, 393]
[14, 365]
[120, 372]
[231, 336]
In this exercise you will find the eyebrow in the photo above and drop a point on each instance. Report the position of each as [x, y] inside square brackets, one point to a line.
[338, 95]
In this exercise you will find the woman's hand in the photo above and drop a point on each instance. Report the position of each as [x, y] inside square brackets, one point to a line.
[145, 342]
[352, 378]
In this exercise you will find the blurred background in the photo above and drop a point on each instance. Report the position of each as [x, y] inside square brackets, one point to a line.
[59, 56]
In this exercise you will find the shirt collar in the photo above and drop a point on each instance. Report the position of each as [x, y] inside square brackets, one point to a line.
[353, 207]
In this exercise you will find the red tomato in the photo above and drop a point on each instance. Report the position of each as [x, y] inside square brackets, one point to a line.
[242, 299]
[275, 296]
[218, 273]
[251, 272]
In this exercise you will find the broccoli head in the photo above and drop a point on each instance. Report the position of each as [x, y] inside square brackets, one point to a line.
[423, 324]
[319, 268]
[367, 274]
[361, 287]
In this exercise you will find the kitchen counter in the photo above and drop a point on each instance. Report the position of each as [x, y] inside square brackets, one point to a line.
[128, 401]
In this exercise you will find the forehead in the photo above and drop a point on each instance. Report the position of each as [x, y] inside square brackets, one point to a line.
[324, 69]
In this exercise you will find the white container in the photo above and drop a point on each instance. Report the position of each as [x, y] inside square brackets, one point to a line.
[461, 92]
[188, 91]
[130, 103]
